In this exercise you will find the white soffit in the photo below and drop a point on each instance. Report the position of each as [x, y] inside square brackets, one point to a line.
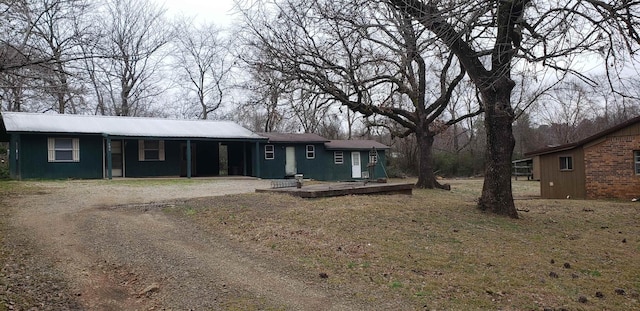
[123, 126]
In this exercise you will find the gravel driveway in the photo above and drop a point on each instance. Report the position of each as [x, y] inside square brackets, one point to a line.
[119, 251]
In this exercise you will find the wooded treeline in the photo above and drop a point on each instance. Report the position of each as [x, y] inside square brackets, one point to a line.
[455, 87]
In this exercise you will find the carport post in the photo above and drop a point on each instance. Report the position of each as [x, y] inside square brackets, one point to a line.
[244, 159]
[188, 158]
[109, 160]
[14, 160]
[257, 172]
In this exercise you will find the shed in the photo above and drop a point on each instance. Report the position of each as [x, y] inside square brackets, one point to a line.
[604, 165]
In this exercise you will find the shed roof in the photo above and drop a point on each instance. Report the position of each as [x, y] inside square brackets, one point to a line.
[293, 137]
[587, 140]
[124, 126]
[354, 145]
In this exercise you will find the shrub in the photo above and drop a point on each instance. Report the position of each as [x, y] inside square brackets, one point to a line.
[462, 165]
[4, 171]
[4, 162]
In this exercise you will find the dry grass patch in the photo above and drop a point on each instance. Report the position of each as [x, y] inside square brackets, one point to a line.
[435, 250]
[27, 280]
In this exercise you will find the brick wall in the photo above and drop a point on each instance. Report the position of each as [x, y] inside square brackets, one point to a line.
[609, 168]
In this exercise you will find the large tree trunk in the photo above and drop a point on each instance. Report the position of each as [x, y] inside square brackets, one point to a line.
[426, 176]
[496, 191]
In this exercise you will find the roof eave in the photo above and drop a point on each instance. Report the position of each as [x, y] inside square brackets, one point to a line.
[552, 150]
[587, 140]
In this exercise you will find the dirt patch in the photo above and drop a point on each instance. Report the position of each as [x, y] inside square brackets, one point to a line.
[436, 250]
[110, 246]
[208, 244]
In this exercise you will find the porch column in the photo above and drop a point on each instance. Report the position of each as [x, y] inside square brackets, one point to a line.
[109, 160]
[188, 158]
[257, 173]
[244, 159]
[14, 143]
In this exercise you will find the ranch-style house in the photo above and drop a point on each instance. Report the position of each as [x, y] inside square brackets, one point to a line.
[61, 146]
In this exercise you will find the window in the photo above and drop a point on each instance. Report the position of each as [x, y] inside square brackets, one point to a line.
[269, 153]
[311, 152]
[151, 150]
[63, 149]
[338, 157]
[636, 161]
[566, 163]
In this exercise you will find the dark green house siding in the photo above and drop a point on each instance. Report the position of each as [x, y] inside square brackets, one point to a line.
[311, 167]
[272, 168]
[343, 171]
[32, 161]
[322, 167]
[205, 154]
[155, 168]
[244, 158]
[275, 168]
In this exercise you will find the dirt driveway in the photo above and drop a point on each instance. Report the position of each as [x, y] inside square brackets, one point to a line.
[117, 253]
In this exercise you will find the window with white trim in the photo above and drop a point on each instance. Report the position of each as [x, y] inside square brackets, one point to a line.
[269, 152]
[63, 149]
[566, 163]
[636, 161]
[151, 150]
[311, 152]
[338, 157]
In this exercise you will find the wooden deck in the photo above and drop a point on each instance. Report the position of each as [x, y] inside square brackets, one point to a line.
[343, 188]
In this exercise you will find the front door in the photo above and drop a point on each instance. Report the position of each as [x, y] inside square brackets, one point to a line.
[356, 168]
[290, 161]
[117, 166]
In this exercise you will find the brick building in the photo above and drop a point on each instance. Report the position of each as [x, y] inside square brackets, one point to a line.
[605, 165]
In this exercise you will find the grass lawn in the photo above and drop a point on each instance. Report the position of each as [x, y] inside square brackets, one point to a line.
[435, 250]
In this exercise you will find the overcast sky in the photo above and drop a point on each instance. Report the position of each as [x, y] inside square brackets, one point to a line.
[216, 11]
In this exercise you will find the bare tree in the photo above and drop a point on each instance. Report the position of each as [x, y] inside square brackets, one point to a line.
[565, 108]
[618, 107]
[369, 58]
[40, 50]
[204, 62]
[54, 25]
[52, 52]
[265, 107]
[309, 108]
[488, 37]
[134, 34]
[16, 48]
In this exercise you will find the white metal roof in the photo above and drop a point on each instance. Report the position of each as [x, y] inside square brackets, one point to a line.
[124, 126]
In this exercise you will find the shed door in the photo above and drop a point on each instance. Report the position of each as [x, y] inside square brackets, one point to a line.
[356, 168]
[290, 161]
